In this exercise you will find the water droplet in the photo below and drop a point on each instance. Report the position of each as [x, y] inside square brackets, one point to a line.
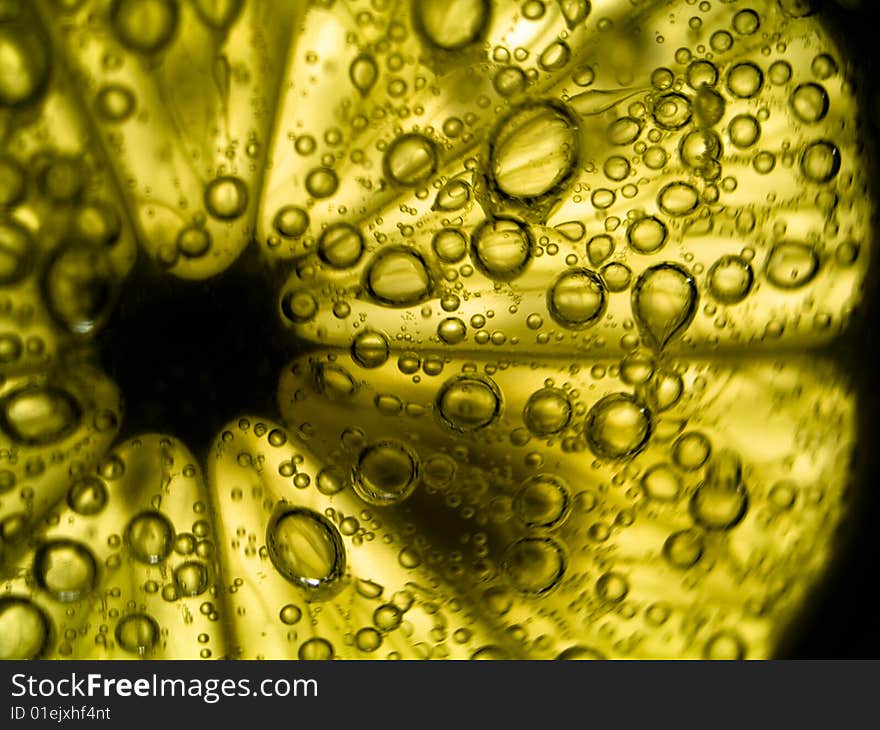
[683, 549]
[745, 80]
[599, 248]
[547, 412]
[149, 537]
[330, 480]
[468, 403]
[810, 102]
[299, 306]
[226, 197]
[386, 473]
[746, 22]
[612, 587]
[291, 221]
[533, 9]
[820, 162]
[454, 195]
[193, 242]
[451, 330]
[555, 56]
[575, 12]
[368, 639]
[290, 614]
[502, 248]
[115, 102]
[17, 252]
[691, 450]
[783, 495]
[26, 66]
[137, 633]
[316, 649]
[97, 224]
[661, 483]
[370, 349]
[509, 81]
[572, 230]
[387, 617]
[542, 501]
[534, 565]
[80, 288]
[322, 182]
[664, 301]
[398, 277]
[617, 276]
[191, 578]
[624, 131]
[218, 14]
[617, 426]
[410, 160]
[147, 26]
[792, 265]
[577, 299]
[451, 24]
[700, 148]
[678, 199]
[647, 235]
[340, 245]
[449, 245]
[39, 415]
[65, 569]
[701, 73]
[672, 111]
[534, 151]
[363, 73]
[730, 279]
[333, 382]
[63, 178]
[24, 629]
[721, 501]
[727, 645]
[307, 550]
[666, 388]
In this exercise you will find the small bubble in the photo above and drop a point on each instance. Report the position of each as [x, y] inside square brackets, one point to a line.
[149, 537]
[468, 403]
[65, 569]
[137, 633]
[386, 473]
[617, 426]
[577, 299]
[226, 197]
[534, 565]
[24, 629]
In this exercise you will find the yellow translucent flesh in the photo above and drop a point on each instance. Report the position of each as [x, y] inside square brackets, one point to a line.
[547, 257]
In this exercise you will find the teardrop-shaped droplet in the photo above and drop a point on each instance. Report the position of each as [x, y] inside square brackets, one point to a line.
[363, 73]
[664, 302]
[599, 101]
[575, 12]
[218, 14]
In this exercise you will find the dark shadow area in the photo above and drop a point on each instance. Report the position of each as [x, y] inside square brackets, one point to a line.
[189, 356]
[843, 622]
